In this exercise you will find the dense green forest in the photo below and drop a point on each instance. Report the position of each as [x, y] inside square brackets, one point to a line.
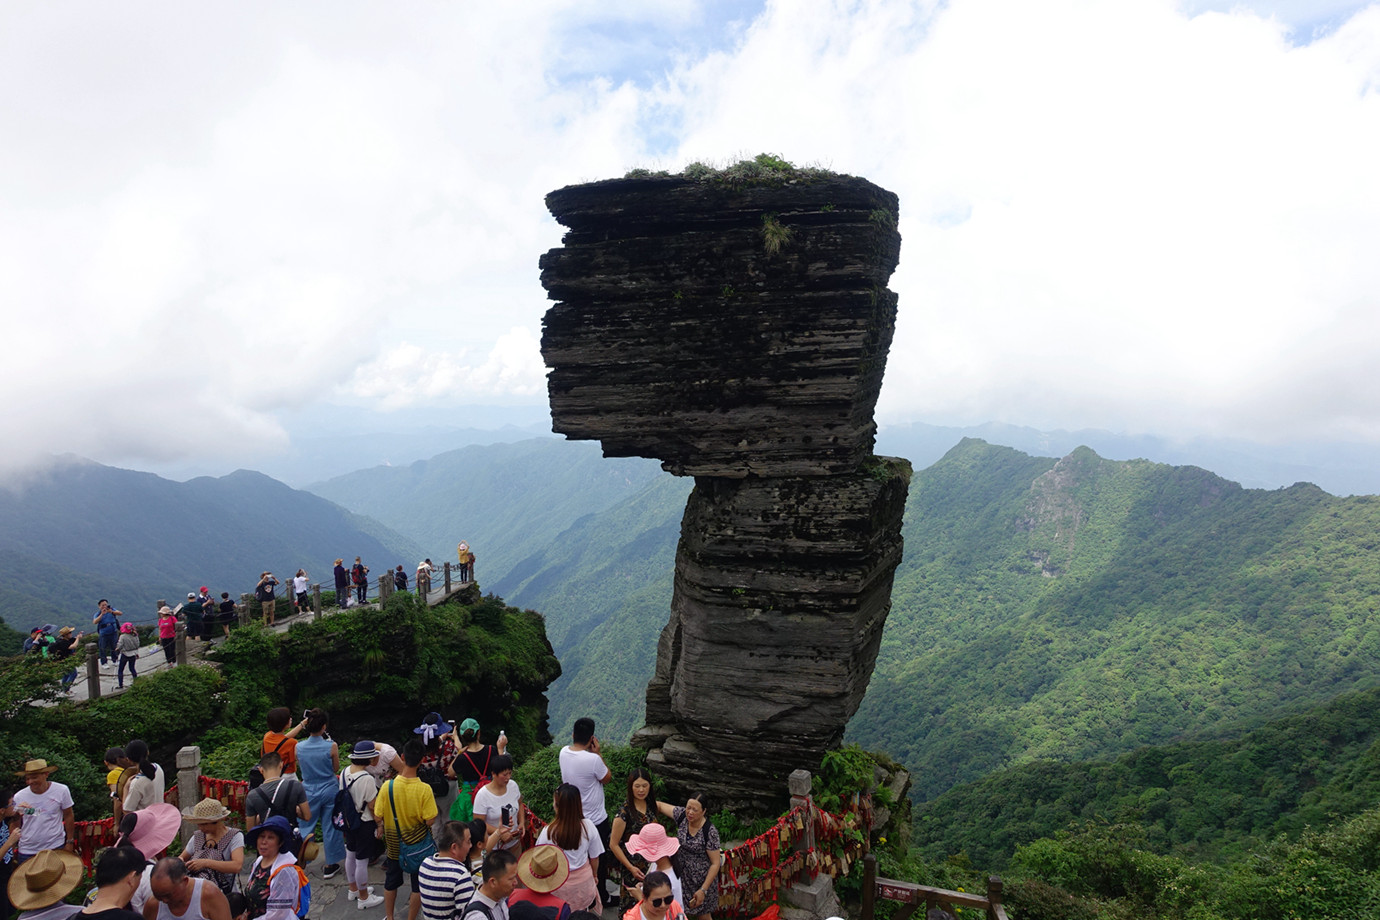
[1208, 799]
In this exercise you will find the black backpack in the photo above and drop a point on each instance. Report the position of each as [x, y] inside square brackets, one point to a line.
[347, 816]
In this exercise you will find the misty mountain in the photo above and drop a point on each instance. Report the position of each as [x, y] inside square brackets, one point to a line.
[80, 531]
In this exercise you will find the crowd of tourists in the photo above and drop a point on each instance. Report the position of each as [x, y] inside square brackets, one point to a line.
[441, 815]
[118, 642]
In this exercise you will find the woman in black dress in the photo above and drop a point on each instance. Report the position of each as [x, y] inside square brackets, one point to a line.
[639, 809]
[699, 854]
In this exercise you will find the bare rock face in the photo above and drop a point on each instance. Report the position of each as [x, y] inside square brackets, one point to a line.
[738, 332]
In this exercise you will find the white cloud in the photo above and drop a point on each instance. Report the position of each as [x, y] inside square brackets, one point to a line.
[1118, 213]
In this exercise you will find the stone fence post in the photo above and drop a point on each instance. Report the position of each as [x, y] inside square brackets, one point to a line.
[93, 673]
[447, 579]
[244, 608]
[799, 783]
[316, 601]
[385, 586]
[181, 643]
[188, 782]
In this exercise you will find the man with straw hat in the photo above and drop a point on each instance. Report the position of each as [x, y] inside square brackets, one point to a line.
[46, 807]
[38, 886]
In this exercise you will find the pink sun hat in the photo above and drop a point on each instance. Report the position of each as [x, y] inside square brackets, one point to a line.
[652, 843]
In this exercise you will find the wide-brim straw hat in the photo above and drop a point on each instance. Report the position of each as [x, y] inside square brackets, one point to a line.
[36, 766]
[543, 868]
[207, 811]
[45, 879]
[155, 829]
[652, 843]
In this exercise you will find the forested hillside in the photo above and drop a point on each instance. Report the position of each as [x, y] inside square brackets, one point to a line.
[1084, 607]
[508, 501]
[1209, 799]
[82, 531]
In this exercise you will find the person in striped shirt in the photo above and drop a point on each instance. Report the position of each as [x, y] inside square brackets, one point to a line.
[445, 878]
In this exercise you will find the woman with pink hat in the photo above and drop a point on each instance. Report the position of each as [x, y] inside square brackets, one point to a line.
[653, 844]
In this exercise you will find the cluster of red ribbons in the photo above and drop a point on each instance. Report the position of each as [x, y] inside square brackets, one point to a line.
[752, 874]
[229, 792]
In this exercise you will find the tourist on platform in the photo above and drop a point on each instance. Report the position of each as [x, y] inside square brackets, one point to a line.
[637, 811]
[400, 578]
[404, 810]
[471, 767]
[119, 873]
[128, 645]
[490, 901]
[342, 585]
[653, 844]
[46, 809]
[579, 840]
[263, 593]
[177, 894]
[445, 878]
[37, 888]
[167, 631]
[300, 584]
[543, 873]
[147, 785]
[499, 803]
[215, 852]
[318, 760]
[229, 612]
[361, 845]
[658, 901]
[194, 614]
[64, 647]
[584, 768]
[107, 622]
[359, 576]
[462, 551]
[272, 894]
[424, 578]
[699, 854]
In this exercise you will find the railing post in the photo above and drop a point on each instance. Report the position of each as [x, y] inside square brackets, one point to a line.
[869, 886]
[799, 783]
[447, 579]
[93, 672]
[181, 643]
[188, 778]
[316, 601]
[993, 896]
[385, 582]
[244, 608]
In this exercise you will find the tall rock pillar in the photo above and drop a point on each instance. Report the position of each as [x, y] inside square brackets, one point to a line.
[737, 330]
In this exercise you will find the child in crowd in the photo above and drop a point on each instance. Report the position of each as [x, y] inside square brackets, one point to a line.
[113, 756]
[129, 653]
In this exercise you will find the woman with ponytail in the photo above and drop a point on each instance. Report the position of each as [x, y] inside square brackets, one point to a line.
[146, 786]
[318, 764]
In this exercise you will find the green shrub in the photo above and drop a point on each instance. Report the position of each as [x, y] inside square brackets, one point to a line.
[167, 709]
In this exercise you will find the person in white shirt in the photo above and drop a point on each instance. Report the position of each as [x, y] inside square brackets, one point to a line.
[145, 787]
[578, 838]
[490, 902]
[584, 768]
[499, 803]
[45, 810]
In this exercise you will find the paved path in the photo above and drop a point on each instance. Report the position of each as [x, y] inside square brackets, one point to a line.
[152, 659]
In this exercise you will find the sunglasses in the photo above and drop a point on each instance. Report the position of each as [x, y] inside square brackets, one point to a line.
[662, 902]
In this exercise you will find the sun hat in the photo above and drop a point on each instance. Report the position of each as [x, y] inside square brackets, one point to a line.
[157, 826]
[652, 842]
[36, 766]
[433, 726]
[364, 750]
[543, 868]
[45, 879]
[127, 628]
[469, 725]
[207, 811]
[66, 631]
[278, 824]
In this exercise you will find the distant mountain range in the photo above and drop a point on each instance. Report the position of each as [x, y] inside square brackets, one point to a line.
[81, 531]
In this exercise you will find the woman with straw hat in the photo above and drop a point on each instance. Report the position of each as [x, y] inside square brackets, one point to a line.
[38, 886]
[215, 852]
[541, 871]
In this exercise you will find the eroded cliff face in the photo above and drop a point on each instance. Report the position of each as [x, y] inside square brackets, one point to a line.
[738, 332]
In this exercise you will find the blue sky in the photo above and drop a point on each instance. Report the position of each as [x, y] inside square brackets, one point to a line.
[1138, 215]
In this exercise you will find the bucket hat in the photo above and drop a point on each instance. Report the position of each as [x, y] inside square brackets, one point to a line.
[207, 811]
[652, 842]
[543, 868]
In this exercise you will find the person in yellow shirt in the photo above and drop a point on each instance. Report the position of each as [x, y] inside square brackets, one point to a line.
[404, 810]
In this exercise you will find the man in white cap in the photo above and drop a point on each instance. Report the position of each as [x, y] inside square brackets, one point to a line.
[46, 811]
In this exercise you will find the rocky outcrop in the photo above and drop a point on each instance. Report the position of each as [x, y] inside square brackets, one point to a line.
[738, 332]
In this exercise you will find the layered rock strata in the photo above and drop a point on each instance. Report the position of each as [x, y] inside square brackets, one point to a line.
[738, 332]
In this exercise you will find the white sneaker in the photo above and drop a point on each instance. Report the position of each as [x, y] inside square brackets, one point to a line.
[370, 902]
